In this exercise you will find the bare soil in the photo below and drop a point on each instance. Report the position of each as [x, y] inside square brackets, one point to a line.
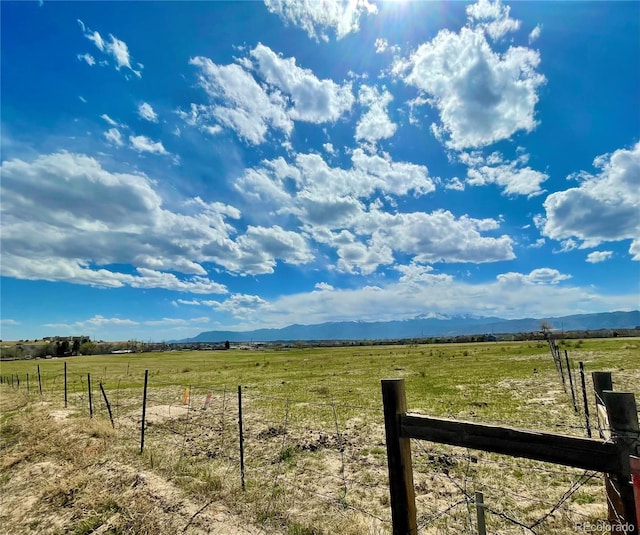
[63, 474]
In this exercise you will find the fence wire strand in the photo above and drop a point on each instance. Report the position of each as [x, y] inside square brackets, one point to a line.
[201, 433]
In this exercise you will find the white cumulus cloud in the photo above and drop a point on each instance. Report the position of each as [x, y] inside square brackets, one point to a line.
[492, 17]
[375, 123]
[108, 219]
[604, 207]
[342, 209]
[539, 276]
[316, 17]
[144, 144]
[515, 177]
[599, 256]
[146, 112]
[482, 96]
[313, 100]
[239, 102]
[264, 91]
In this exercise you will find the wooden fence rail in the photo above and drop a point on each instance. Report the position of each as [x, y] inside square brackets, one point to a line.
[611, 456]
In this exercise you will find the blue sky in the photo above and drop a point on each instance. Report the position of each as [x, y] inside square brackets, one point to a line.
[169, 168]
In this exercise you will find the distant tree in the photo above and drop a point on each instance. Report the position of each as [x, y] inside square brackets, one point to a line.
[44, 350]
[545, 327]
[76, 346]
[88, 348]
[227, 345]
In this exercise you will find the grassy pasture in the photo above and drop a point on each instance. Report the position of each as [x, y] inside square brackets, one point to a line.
[314, 451]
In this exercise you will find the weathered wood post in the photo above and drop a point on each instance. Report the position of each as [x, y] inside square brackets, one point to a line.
[635, 478]
[401, 490]
[601, 381]
[625, 431]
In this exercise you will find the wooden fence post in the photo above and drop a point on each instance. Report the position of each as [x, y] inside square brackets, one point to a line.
[625, 430]
[401, 490]
[635, 478]
[39, 380]
[27, 383]
[601, 381]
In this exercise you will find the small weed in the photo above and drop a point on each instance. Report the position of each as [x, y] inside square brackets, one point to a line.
[300, 529]
[320, 390]
[287, 455]
[583, 498]
[368, 478]
[87, 525]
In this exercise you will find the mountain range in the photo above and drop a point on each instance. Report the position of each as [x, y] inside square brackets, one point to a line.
[426, 325]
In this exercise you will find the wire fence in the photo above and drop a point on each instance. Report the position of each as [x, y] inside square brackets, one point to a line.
[320, 463]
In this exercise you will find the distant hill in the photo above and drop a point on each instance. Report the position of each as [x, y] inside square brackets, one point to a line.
[421, 327]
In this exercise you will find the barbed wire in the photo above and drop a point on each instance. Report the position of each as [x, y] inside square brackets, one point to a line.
[440, 514]
[342, 503]
[481, 458]
[191, 420]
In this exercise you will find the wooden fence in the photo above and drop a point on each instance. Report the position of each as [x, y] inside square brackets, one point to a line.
[617, 417]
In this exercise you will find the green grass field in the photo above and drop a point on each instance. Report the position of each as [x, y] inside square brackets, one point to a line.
[446, 379]
[315, 453]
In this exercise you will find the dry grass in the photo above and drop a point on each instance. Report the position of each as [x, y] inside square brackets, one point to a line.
[79, 476]
[314, 442]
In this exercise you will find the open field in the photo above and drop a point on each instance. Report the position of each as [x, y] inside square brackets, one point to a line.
[314, 447]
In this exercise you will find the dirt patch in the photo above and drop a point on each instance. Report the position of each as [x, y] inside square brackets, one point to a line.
[65, 475]
[61, 415]
[161, 413]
